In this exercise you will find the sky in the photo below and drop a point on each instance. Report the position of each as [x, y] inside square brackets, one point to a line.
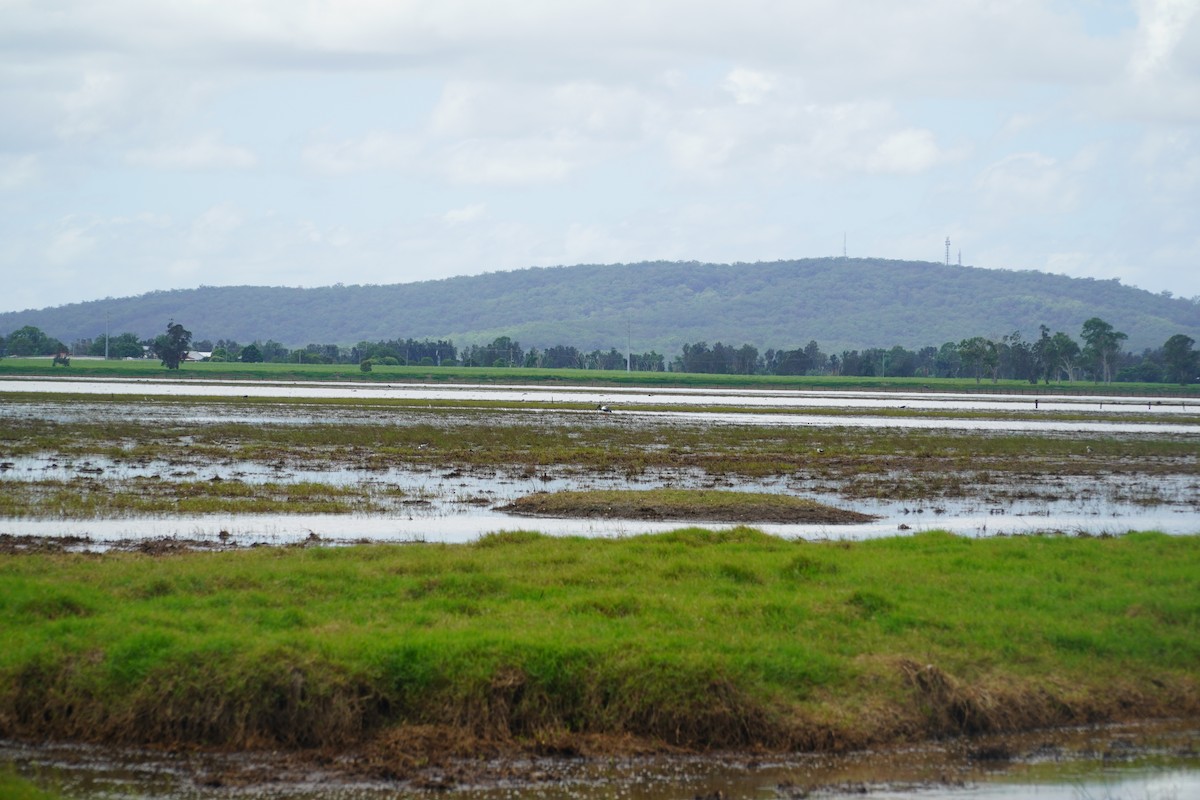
[150, 145]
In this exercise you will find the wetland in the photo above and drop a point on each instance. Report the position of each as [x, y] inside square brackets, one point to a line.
[684, 603]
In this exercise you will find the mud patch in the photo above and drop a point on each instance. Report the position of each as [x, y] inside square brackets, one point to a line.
[685, 505]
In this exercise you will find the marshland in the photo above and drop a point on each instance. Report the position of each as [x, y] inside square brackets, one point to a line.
[709, 621]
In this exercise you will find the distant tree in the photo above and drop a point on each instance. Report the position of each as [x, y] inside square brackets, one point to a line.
[272, 350]
[1066, 351]
[126, 345]
[365, 365]
[1019, 362]
[172, 346]
[562, 357]
[948, 361]
[1181, 360]
[31, 341]
[251, 354]
[61, 358]
[1102, 344]
[978, 356]
[229, 347]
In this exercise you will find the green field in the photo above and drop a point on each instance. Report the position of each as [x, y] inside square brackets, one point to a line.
[518, 375]
[693, 638]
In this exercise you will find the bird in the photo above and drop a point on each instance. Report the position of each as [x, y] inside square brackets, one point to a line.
[603, 408]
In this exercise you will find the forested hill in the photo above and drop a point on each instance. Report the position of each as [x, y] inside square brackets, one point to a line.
[840, 303]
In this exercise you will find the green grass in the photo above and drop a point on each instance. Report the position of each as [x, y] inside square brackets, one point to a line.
[13, 787]
[725, 638]
[519, 375]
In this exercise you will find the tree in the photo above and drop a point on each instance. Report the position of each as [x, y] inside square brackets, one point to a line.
[172, 346]
[127, 345]
[1181, 359]
[1102, 344]
[251, 354]
[31, 341]
[978, 356]
[1067, 351]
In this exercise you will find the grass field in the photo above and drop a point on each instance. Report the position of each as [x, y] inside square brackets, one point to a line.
[149, 368]
[694, 638]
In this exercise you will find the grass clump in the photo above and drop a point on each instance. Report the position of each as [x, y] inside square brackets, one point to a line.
[697, 638]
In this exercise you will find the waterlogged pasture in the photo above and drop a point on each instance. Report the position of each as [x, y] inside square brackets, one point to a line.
[264, 470]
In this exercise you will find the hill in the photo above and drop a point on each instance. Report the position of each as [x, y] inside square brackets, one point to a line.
[840, 303]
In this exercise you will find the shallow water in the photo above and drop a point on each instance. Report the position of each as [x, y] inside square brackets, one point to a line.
[628, 401]
[457, 506]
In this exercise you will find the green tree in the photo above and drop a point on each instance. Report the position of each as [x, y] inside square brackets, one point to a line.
[251, 354]
[31, 341]
[172, 346]
[1181, 360]
[978, 356]
[1102, 345]
[127, 345]
[1066, 351]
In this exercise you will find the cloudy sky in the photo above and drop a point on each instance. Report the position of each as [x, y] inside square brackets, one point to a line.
[151, 145]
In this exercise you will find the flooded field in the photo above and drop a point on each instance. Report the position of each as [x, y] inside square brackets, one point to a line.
[456, 502]
[1067, 465]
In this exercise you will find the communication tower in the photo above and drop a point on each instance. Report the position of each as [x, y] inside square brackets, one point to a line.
[947, 251]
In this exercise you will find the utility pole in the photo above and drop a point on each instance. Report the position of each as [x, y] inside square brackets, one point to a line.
[106, 336]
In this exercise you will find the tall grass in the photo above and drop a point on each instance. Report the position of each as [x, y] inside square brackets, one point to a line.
[697, 637]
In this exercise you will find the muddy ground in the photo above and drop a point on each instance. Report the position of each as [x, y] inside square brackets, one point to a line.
[430, 761]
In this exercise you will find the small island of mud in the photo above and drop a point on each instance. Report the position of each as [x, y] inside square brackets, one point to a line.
[684, 504]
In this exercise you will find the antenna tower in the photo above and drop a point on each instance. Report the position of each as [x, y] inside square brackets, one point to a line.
[843, 245]
[947, 251]
[960, 256]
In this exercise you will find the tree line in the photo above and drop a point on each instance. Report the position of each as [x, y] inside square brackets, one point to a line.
[1057, 357]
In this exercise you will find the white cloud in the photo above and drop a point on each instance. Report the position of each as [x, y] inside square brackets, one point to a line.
[1027, 183]
[72, 241]
[471, 213]
[748, 86]
[908, 151]
[1161, 26]
[212, 229]
[509, 163]
[202, 153]
[86, 108]
[17, 172]
[376, 150]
